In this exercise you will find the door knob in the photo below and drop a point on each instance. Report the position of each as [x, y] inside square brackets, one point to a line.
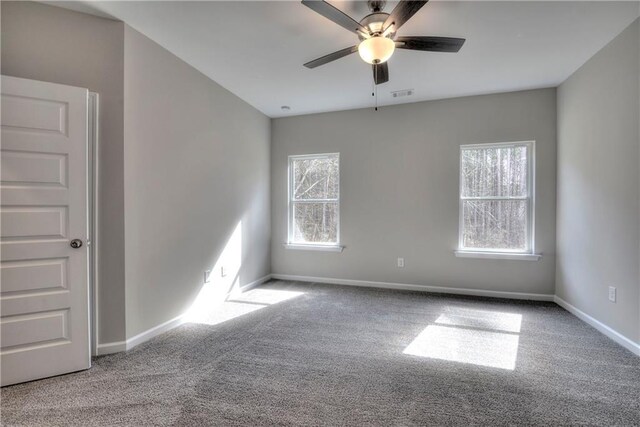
[76, 243]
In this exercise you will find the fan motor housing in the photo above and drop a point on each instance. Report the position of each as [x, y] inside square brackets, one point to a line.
[374, 22]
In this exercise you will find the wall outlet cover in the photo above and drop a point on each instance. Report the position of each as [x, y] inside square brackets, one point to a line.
[400, 262]
[207, 276]
[612, 294]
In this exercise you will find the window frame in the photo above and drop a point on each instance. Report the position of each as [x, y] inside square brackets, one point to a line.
[463, 251]
[291, 202]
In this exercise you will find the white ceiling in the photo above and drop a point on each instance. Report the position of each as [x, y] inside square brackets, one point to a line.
[256, 49]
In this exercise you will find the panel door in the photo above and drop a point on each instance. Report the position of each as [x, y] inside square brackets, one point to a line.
[44, 298]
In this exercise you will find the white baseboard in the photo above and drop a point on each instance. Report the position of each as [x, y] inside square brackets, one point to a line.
[255, 283]
[116, 347]
[606, 330]
[110, 347]
[411, 287]
[154, 332]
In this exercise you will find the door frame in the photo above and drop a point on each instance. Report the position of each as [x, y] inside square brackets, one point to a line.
[93, 212]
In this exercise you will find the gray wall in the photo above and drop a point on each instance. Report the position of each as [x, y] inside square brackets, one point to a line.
[56, 45]
[197, 162]
[399, 189]
[196, 166]
[598, 215]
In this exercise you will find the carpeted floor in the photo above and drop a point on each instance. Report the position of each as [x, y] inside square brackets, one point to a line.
[311, 354]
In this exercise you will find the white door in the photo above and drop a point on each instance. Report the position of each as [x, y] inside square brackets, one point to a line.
[44, 280]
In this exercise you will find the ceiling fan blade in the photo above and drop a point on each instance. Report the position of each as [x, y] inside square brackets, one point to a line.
[431, 44]
[335, 15]
[380, 73]
[402, 13]
[331, 57]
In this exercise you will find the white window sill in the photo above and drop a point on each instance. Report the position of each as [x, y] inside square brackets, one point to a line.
[322, 248]
[498, 255]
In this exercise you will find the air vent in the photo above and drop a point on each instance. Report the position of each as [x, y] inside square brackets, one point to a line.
[401, 93]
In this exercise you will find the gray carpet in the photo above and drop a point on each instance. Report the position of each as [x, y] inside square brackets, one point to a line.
[338, 356]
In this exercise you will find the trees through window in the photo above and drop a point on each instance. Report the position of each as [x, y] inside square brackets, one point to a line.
[314, 199]
[496, 197]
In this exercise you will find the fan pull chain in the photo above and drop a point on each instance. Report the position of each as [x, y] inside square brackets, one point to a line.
[375, 86]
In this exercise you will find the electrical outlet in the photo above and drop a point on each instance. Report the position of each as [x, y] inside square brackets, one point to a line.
[223, 271]
[612, 294]
[207, 276]
[400, 262]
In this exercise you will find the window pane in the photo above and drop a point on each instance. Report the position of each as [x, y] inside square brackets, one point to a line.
[315, 222]
[315, 178]
[494, 172]
[495, 224]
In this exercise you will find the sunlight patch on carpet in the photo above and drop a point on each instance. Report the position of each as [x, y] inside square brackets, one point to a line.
[479, 337]
[206, 310]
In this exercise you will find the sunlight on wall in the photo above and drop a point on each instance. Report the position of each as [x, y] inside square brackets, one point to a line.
[484, 338]
[231, 260]
[222, 299]
[213, 294]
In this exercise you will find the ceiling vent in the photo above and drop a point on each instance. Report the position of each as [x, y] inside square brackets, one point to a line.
[402, 93]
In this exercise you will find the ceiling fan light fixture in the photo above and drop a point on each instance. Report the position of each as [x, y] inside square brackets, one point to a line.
[376, 50]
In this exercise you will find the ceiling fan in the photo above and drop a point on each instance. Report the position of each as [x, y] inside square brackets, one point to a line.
[377, 34]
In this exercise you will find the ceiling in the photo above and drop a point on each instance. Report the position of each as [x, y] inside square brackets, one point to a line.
[256, 49]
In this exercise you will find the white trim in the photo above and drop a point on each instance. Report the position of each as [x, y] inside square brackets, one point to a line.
[154, 332]
[110, 348]
[177, 321]
[325, 248]
[498, 255]
[115, 347]
[255, 283]
[291, 202]
[413, 287]
[604, 329]
[118, 346]
[531, 196]
[94, 108]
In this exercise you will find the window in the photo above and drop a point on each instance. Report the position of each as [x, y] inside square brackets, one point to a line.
[496, 198]
[314, 200]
